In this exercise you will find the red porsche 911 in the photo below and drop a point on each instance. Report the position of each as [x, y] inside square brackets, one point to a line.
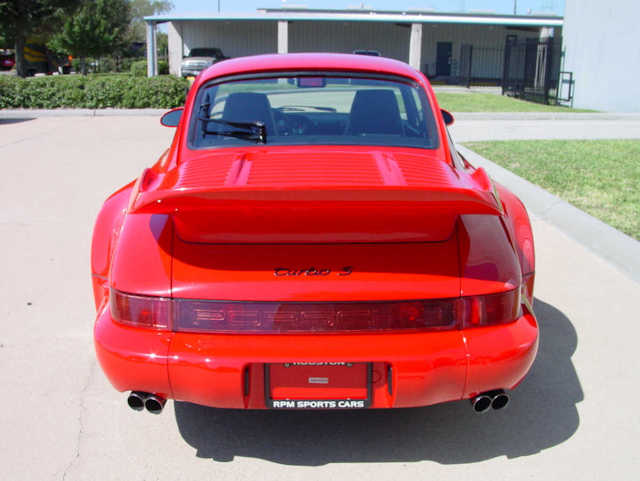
[313, 240]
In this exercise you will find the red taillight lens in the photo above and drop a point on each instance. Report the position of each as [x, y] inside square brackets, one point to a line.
[140, 311]
[275, 317]
[189, 315]
[491, 309]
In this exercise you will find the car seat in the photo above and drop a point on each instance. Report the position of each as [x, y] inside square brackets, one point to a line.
[249, 107]
[375, 111]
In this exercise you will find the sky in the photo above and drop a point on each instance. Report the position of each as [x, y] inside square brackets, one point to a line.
[495, 6]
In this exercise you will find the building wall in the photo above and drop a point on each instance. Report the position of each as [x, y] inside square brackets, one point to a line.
[175, 47]
[601, 45]
[391, 40]
[235, 38]
[488, 46]
[240, 38]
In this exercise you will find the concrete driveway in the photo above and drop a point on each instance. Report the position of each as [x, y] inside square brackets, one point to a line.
[574, 417]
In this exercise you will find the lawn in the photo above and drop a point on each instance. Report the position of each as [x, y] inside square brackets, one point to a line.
[484, 102]
[601, 177]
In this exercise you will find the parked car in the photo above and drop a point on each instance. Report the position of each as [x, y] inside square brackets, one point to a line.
[310, 244]
[199, 59]
[7, 60]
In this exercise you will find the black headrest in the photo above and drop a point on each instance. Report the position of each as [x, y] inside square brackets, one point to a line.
[375, 111]
[248, 107]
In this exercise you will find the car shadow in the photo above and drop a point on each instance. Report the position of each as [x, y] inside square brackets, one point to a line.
[542, 414]
[16, 120]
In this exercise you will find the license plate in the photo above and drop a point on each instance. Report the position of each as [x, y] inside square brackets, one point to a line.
[318, 385]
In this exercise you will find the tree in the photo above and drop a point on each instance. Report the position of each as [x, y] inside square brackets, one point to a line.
[21, 18]
[98, 27]
[145, 8]
[6, 41]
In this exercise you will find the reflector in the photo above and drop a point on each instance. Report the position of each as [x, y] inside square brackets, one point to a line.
[279, 317]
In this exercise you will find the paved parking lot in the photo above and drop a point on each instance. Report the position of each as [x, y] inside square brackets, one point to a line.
[574, 417]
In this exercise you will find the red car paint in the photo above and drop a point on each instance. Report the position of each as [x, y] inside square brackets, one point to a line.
[289, 224]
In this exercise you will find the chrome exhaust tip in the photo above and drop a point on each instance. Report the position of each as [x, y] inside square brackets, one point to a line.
[500, 401]
[481, 403]
[155, 404]
[136, 400]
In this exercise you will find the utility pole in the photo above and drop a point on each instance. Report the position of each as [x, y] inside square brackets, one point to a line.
[218, 6]
[515, 6]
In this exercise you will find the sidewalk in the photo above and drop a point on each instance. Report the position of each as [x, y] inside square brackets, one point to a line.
[536, 126]
[459, 116]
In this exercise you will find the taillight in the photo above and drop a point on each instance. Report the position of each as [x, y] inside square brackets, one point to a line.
[491, 309]
[189, 315]
[276, 317]
[140, 311]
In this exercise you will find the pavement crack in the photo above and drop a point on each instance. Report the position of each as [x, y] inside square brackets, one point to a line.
[81, 414]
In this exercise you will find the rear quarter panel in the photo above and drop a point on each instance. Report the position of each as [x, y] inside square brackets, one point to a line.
[105, 236]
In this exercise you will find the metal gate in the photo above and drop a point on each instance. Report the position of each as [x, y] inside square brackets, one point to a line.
[466, 61]
[531, 68]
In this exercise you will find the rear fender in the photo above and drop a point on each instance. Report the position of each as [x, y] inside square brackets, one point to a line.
[518, 225]
[105, 235]
[142, 260]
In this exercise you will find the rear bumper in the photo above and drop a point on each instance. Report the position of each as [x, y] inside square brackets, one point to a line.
[227, 371]
[190, 71]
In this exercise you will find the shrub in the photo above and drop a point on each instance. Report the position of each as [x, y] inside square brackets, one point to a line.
[105, 65]
[125, 63]
[75, 64]
[92, 91]
[108, 64]
[139, 68]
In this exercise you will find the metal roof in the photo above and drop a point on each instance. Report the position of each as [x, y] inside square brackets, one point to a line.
[370, 16]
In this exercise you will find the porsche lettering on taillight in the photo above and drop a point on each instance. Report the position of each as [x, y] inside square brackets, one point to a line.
[191, 315]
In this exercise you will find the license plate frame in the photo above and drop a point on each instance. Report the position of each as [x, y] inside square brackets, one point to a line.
[320, 403]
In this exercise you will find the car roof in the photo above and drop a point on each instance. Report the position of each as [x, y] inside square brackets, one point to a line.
[309, 62]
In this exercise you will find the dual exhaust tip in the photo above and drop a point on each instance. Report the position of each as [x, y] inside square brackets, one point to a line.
[493, 399]
[138, 400]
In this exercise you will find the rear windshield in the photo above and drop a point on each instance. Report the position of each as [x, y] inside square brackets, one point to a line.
[205, 52]
[313, 110]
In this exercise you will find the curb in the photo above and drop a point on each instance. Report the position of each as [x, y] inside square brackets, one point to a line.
[462, 116]
[545, 116]
[35, 113]
[608, 243]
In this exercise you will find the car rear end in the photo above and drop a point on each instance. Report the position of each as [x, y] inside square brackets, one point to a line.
[315, 277]
[406, 302]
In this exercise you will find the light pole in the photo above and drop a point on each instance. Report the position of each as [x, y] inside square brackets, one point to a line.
[218, 6]
[515, 6]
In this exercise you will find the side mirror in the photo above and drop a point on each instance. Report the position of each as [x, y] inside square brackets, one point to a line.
[447, 117]
[172, 117]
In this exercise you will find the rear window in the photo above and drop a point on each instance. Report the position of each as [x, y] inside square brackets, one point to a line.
[205, 52]
[313, 109]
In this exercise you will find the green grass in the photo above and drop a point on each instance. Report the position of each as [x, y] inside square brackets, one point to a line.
[483, 102]
[601, 177]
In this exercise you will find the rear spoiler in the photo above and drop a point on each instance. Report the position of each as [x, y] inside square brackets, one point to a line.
[475, 197]
[270, 213]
